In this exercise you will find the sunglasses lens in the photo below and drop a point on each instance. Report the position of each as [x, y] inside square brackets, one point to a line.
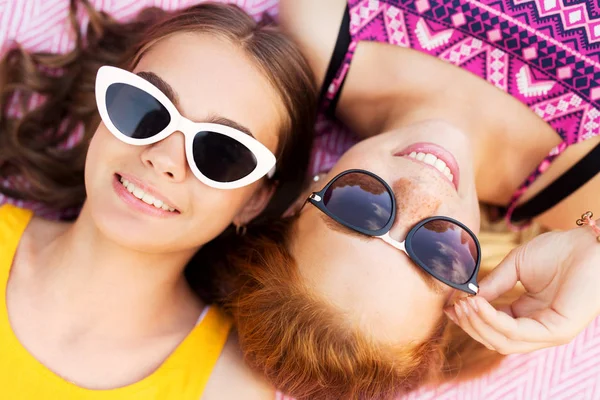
[449, 251]
[134, 112]
[360, 200]
[222, 158]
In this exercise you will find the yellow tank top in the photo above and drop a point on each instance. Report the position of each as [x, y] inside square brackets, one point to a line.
[182, 376]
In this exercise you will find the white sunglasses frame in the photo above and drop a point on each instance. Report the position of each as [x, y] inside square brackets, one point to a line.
[265, 160]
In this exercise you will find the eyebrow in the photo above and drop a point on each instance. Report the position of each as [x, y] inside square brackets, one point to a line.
[218, 119]
[161, 84]
[334, 225]
[168, 91]
[431, 282]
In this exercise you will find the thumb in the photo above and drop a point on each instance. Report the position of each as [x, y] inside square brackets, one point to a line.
[502, 278]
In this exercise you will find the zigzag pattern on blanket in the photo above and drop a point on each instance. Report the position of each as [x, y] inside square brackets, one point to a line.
[566, 372]
[560, 373]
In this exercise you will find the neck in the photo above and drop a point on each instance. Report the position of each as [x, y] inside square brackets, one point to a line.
[94, 279]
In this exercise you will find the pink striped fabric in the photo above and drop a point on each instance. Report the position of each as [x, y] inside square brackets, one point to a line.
[566, 372]
[560, 373]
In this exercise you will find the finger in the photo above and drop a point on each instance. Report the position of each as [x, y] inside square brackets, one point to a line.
[526, 305]
[496, 340]
[506, 309]
[502, 278]
[462, 311]
[517, 329]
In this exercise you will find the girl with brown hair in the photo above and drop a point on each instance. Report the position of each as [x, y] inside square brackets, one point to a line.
[205, 126]
[352, 297]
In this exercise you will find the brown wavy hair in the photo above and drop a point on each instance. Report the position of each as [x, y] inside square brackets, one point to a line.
[33, 157]
[307, 349]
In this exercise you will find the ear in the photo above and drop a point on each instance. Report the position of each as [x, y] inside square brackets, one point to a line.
[256, 204]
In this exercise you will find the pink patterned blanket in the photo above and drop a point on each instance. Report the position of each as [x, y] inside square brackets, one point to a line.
[566, 372]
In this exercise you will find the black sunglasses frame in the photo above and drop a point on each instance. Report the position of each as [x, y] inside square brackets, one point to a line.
[470, 286]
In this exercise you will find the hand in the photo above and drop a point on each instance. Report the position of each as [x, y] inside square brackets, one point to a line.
[560, 272]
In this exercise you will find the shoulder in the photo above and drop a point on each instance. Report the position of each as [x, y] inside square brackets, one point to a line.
[314, 25]
[232, 379]
[40, 231]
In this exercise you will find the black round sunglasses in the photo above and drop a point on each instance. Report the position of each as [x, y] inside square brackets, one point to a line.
[441, 246]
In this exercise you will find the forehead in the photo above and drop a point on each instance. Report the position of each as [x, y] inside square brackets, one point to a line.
[212, 76]
[374, 285]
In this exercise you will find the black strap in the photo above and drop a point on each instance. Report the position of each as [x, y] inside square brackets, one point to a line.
[575, 177]
[335, 63]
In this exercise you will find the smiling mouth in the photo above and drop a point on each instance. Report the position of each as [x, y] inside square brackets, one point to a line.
[145, 197]
[432, 160]
[435, 157]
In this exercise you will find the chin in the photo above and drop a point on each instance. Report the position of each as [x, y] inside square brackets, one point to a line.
[123, 228]
[125, 235]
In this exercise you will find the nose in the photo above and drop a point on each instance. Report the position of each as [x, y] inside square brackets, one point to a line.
[413, 204]
[167, 157]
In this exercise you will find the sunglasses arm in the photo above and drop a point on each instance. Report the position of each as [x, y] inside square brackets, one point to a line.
[399, 245]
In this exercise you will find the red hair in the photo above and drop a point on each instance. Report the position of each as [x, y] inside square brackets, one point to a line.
[304, 345]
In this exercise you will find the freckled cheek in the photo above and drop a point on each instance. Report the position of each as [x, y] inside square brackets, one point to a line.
[414, 203]
[419, 208]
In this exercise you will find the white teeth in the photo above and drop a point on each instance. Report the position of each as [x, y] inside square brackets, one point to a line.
[167, 208]
[145, 197]
[430, 159]
[148, 199]
[139, 193]
[439, 164]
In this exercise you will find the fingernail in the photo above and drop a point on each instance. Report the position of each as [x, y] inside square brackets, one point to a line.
[465, 307]
[457, 309]
[473, 304]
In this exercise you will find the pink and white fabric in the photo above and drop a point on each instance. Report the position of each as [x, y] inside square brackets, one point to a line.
[567, 372]
[559, 373]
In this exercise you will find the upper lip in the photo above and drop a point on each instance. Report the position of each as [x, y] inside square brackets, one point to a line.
[149, 189]
[437, 151]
